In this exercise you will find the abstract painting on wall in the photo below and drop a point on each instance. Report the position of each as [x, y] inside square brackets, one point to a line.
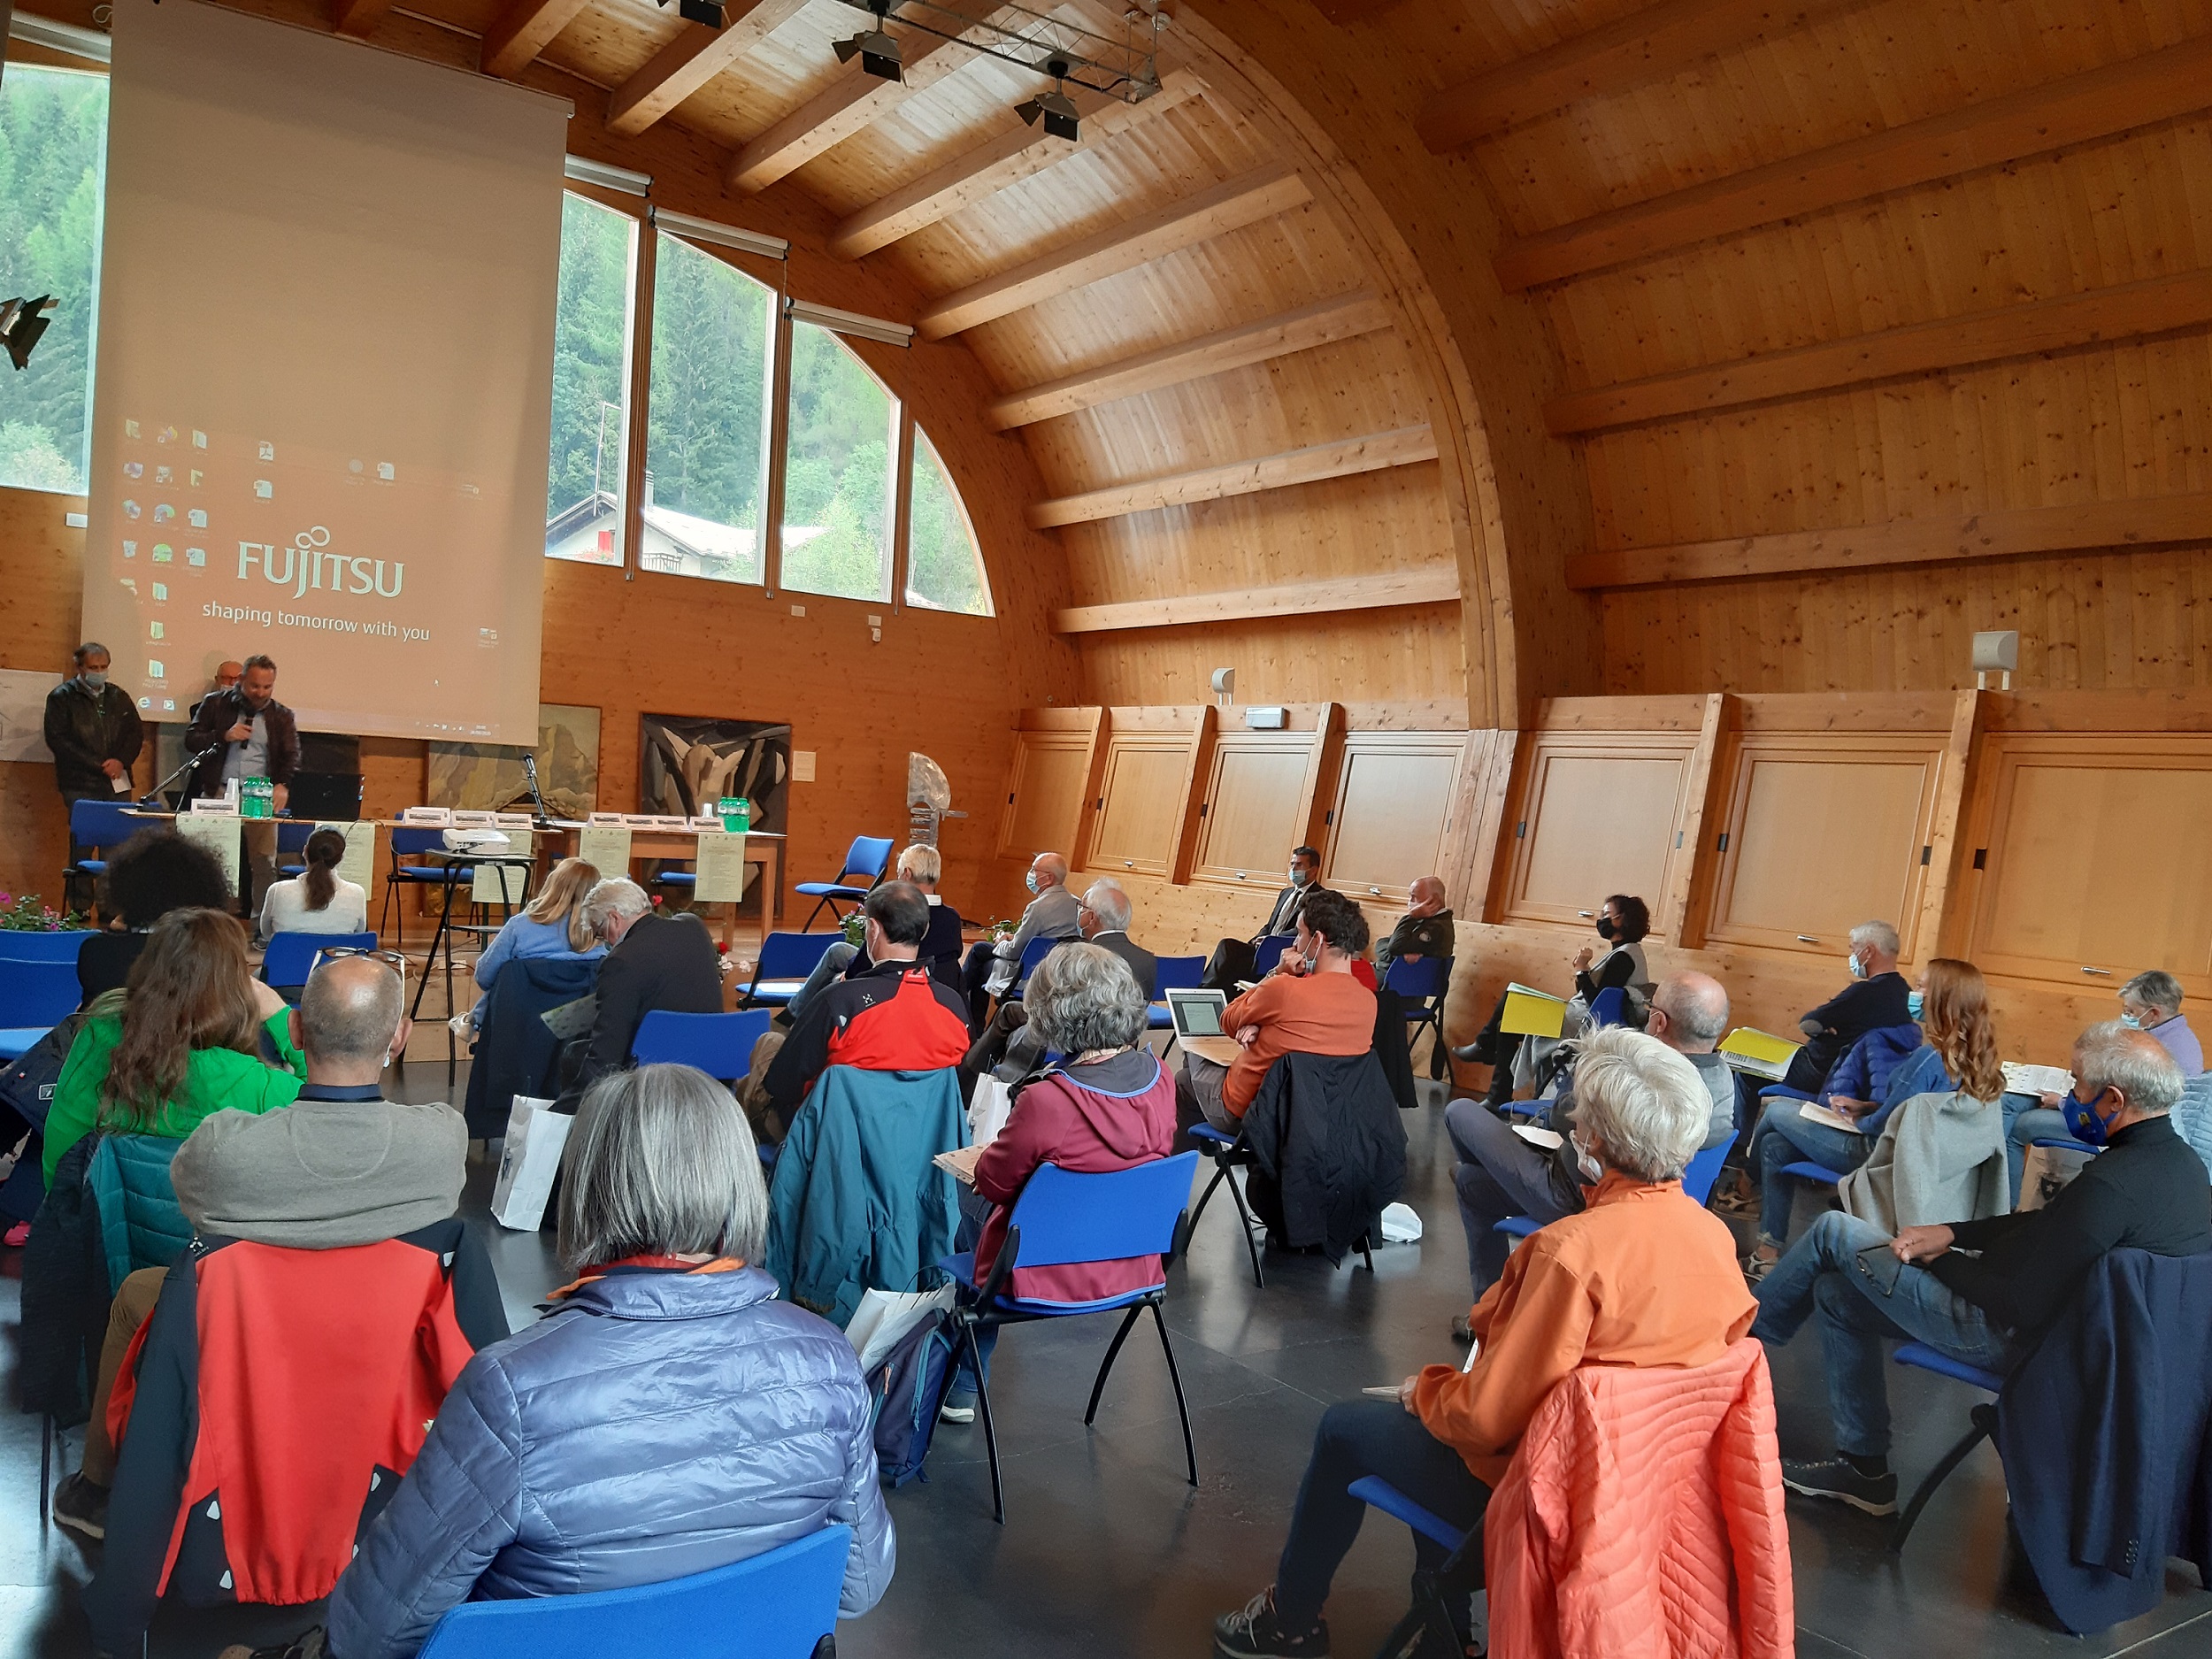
[685, 764]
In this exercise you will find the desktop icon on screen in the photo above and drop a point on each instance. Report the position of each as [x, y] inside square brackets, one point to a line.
[156, 633]
[130, 507]
[263, 490]
[268, 452]
[164, 553]
[168, 703]
[165, 475]
[153, 668]
[199, 439]
[164, 512]
[198, 477]
[130, 429]
[145, 702]
[196, 557]
[167, 434]
[384, 471]
[130, 549]
[197, 518]
[134, 469]
[161, 591]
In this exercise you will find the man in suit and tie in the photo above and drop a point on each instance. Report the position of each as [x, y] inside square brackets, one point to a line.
[1234, 959]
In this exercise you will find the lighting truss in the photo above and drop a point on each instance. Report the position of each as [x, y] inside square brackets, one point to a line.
[1045, 44]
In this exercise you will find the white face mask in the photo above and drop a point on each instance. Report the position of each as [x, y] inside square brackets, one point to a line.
[1591, 1170]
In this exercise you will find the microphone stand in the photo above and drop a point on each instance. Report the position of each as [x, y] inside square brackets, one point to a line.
[152, 797]
[530, 771]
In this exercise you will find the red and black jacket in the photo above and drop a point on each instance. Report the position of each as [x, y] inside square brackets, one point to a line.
[268, 1386]
[894, 1017]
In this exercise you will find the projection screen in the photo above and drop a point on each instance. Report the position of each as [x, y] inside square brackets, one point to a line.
[325, 376]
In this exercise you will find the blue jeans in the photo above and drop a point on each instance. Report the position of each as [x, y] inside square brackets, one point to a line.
[1823, 1271]
[2026, 1122]
[1498, 1175]
[1784, 1137]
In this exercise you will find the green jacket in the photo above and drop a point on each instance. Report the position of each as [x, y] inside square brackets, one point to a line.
[214, 1079]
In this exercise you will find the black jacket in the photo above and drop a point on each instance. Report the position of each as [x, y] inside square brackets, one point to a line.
[1423, 936]
[1328, 1148]
[2145, 1192]
[218, 711]
[940, 949]
[84, 728]
[2103, 1430]
[514, 1053]
[1283, 920]
[666, 964]
[65, 1295]
[1860, 1007]
[1142, 964]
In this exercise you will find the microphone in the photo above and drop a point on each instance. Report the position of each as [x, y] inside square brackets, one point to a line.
[530, 771]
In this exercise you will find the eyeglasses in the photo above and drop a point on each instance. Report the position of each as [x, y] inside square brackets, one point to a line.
[391, 959]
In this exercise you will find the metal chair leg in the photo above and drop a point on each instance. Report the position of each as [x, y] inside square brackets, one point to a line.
[1182, 1411]
[1113, 1352]
[1244, 1221]
[45, 1470]
[1366, 1251]
[990, 1435]
[1984, 1419]
[1221, 1172]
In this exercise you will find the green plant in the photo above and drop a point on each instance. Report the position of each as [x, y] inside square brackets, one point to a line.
[31, 915]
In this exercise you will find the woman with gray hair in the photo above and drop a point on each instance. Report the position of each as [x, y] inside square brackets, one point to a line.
[669, 1417]
[1106, 1104]
[1641, 1278]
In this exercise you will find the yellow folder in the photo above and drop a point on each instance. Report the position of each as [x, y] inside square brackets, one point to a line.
[1760, 1053]
[1532, 1013]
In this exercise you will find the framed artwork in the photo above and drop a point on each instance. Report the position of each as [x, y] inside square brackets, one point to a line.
[685, 761]
[488, 777]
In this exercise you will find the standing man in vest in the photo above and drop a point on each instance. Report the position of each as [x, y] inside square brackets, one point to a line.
[256, 734]
[93, 732]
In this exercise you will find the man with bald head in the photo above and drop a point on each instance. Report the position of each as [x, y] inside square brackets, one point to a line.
[1500, 1174]
[1423, 931]
[991, 967]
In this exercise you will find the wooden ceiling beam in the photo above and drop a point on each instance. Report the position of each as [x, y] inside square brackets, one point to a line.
[1632, 52]
[1341, 457]
[853, 101]
[525, 30]
[1343, 318]
[1417, 584]
[1227, 206]
[2130, 311]
[2091, 527]
[2156, 87]
[691, 59]
[991, 166]
[360, 19]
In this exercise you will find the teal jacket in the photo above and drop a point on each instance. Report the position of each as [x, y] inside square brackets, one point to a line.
[856, 1203]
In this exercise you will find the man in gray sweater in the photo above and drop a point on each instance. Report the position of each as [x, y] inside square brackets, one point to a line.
[340, 1166]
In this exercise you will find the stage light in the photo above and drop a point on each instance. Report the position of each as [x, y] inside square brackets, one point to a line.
[706, 11]
[1055, 108]
[877, 52]
[21, 323]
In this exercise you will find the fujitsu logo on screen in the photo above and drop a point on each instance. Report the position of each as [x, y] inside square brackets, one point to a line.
[303, 564]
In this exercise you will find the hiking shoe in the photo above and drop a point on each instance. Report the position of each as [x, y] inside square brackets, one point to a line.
[1250, 1632]
[1876, 1494]
[958, 1407]
[81, 1507]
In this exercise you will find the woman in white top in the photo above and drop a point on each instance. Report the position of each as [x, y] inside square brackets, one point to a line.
[316, 900]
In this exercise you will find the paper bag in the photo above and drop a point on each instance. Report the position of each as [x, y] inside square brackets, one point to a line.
[885, 1316]
[988, 1108]
[535, 1136]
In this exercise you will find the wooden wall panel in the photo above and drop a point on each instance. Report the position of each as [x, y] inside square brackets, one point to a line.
[1394, 811]
[1258, 804]
[1596, 816]
[1143, 797]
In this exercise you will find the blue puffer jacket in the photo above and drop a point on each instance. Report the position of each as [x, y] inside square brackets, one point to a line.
[658, 1425]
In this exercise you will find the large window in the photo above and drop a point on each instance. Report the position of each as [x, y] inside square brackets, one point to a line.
[706, 435]
[837, 472]
[591, 381]
[944, 567]
[53, 146]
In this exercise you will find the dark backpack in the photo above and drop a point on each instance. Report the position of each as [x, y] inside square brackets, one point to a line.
[908, 1387]
[27, 1084]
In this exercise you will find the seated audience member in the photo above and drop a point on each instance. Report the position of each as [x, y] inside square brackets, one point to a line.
[1876, 996]
[1641, 1277]
[1500, 1174]
[319, 899]
[991, 966]
[669, 1417]
[1623, 921]
[1957, 1054]
[154, 872]
[1103, 918]
[1984, 1291]
[654, 964]
[919, 866]
[1314, 1006]
[1107, 1104]
[340, 1167]
[1234, 960]
[2150, 1002]
[896, 1017]
[554, 925]
[1423, 932]
[182, 1038]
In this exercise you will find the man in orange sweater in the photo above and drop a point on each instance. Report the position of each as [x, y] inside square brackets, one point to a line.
[1642, 1276]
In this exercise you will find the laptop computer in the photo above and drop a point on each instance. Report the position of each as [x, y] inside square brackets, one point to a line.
[1197, 1013]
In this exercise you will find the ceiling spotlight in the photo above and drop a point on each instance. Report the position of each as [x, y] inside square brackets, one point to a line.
[706, 11]
[1055, 108]
[877, 52]
[21, 323]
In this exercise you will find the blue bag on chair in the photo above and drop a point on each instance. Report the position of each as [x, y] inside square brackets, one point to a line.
[908, 1387]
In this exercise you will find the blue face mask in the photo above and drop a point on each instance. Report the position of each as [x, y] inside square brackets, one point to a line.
[2133, 1022]
[1914, 1003]
[2083, 1121]
[1032, 879]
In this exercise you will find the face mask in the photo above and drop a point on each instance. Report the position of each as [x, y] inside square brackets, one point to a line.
[1858, 968]
[1032, 879]
[1606, 929]
[1591, 1170]
[95, 678]
[2083, 1121]
[1300, 876]
[1914, 1003]
[2133, 1022]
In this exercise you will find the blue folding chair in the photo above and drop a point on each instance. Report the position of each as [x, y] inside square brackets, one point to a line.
[1033, 953]
[1421, 985]
[1062, 1218]
[413, 844]
[1609, 1007]
[1177, 973]
[36, 994]
[1697, 1185]
[720, 1045]
[61, 945]
[868, 856]
[99, 825]
[786, 960]
[1984, 1417]
[292, 835]
[290, 958]
[1430, 1611]
[1268, 951]
[781, 1604]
